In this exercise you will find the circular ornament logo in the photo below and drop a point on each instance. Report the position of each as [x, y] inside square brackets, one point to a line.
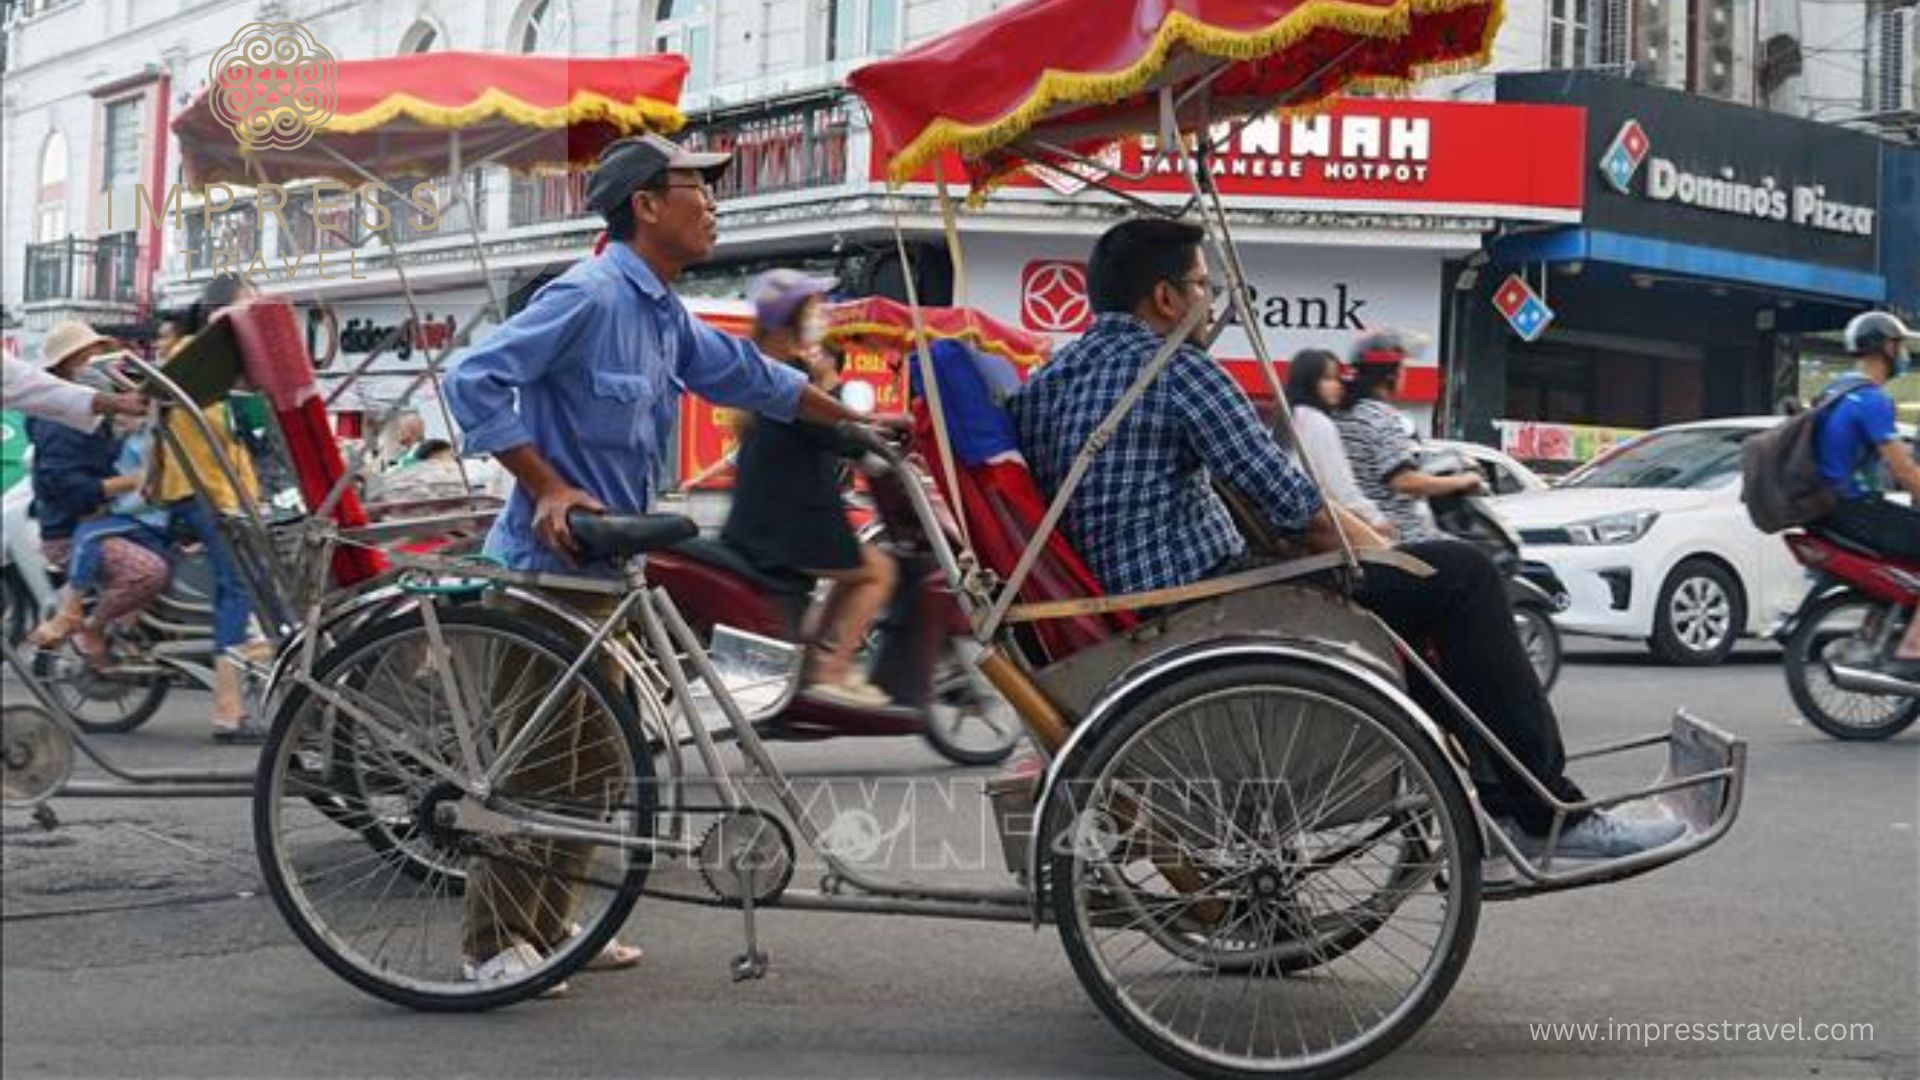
[272, 85]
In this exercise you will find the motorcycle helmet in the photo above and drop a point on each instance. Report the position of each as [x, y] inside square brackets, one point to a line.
[1387, 348]
[1870, 331]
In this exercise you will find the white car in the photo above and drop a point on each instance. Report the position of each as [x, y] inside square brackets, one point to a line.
[1507, 476]
[1654, 544]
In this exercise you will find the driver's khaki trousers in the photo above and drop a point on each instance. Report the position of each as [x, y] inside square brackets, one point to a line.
[523, 890]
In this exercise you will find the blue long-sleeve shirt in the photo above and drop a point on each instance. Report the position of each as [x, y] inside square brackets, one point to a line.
[590, 374]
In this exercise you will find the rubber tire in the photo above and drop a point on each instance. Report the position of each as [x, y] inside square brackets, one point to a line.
[21, 610]
[1543, 623]
[1799, 657]
[1667, 646]
[596, 936]
[1091, 756]
[153, 695]
[961, 755]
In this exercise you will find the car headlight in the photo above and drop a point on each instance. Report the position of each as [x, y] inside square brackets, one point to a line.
[1613, 529]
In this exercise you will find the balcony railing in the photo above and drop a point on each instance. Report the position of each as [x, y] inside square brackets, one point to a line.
[782, 147]
[100, 270]
[543, 197]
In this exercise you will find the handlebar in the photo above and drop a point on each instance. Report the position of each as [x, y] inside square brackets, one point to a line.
[871, 439]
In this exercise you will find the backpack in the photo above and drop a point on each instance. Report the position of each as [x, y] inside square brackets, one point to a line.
[1781, 482]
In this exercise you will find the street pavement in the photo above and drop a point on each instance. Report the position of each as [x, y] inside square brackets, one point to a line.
[136, 943]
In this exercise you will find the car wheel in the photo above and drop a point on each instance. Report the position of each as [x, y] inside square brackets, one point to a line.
[1700, 615]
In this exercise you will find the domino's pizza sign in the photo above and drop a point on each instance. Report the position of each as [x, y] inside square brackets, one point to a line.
[1524, 310]
[1623, 157]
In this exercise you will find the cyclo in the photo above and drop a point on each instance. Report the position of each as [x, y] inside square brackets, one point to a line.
[1262, 856]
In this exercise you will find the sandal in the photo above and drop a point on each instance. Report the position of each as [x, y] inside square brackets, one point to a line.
[55, 631]
[615, 955]
[243, 732]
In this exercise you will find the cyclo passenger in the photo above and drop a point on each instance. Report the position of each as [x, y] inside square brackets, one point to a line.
[172, 487]
[1858, 434]
[575, 396]
[787, 512]
[1146, 517]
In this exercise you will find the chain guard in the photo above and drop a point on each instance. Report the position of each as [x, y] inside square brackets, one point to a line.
[36, 756]
[748, 852]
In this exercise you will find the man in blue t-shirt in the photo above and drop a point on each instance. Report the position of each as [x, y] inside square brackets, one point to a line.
[1858, 435]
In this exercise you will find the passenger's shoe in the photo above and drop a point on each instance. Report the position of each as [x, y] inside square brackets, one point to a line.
[854, 691]
[1604, 835]
[511, 963]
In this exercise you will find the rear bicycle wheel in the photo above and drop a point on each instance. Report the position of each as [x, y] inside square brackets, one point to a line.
[390, 912]
[1261, 820]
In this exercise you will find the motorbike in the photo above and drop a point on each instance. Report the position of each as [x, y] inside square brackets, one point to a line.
[170, 643]
[920, 651]
[1534, 590]
[1841, 639]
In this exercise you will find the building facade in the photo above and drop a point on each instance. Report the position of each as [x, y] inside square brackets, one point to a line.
[1354, 220]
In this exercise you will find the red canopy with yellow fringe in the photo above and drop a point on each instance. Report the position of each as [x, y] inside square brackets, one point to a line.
[1079, 73]
[888, 322]
[394, 116]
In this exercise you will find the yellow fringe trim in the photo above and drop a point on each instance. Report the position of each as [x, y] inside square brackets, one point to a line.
[641, 114]
[978, 338]
[1082, 88]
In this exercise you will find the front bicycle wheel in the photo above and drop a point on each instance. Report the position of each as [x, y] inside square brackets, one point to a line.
[392, 737]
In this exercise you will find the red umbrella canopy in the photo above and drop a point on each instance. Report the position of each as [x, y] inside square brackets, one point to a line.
[1080, 73]
[394, 116]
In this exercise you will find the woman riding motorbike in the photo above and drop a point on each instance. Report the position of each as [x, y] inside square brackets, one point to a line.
[787, 511]
[1384, 455]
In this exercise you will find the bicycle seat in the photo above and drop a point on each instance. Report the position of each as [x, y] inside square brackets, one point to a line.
[619, 536]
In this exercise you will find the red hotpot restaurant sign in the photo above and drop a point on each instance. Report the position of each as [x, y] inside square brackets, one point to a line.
[1520, 162]
[1377, 157]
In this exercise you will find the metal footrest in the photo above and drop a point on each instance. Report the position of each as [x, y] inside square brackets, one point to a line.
[1702, 785]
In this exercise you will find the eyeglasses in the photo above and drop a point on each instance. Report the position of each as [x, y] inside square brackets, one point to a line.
[688, 185]
[1205, 285]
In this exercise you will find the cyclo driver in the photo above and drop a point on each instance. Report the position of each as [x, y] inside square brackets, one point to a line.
[1146, 517]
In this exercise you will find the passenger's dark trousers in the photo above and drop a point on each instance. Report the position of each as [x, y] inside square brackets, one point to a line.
[1461, 618]
[1881, 525]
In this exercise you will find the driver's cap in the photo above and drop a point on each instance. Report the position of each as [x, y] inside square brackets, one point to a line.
[627, 165]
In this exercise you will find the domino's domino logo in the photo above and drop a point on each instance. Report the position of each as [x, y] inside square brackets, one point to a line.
[1623, 157]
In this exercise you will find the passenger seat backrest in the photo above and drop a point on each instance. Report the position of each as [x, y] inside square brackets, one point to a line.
[274, 356]
[1003, 506]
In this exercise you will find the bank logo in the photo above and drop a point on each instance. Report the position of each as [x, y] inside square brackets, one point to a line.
[1053, 297]
[272, 86]
[1622, 159]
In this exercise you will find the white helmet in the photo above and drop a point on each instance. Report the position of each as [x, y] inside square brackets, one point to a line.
[1869, 330]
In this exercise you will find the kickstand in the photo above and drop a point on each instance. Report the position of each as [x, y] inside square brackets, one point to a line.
[751, 964]
[44, 817]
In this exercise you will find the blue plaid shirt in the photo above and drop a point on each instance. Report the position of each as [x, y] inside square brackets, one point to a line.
[1145, 516]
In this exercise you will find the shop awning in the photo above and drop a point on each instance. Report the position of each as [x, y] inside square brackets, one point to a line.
[1709, 264]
